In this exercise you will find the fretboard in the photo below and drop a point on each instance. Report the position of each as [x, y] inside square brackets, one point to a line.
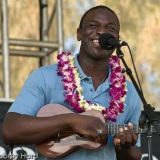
[114, 128]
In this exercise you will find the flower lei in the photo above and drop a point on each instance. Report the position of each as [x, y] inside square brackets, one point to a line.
[73, 89]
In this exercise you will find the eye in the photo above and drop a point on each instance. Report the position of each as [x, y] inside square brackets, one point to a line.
[111, 28]
[92, 25]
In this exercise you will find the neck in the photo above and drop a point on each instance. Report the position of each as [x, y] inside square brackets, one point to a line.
[92, 67]
[98, 70]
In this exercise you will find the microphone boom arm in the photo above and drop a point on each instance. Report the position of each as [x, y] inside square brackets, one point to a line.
[150, 115]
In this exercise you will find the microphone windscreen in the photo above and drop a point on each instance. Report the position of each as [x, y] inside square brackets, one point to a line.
[107, 41]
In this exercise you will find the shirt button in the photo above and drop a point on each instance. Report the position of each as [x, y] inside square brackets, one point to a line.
[87, 79]
[91, 89]
[90, 82]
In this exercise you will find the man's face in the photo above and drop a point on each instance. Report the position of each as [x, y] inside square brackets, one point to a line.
[95, 23]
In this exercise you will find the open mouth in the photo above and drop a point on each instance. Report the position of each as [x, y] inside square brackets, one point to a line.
[95, 42]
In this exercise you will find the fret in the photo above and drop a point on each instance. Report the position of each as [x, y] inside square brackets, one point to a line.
[136, 128]
[117, 130]
[108, 129]
[114, 128]
[124, 125]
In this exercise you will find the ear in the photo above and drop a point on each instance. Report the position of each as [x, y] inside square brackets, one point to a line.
[79, 34]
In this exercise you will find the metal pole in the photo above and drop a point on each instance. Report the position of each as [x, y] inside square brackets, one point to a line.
[43, 27]
[51, 18]
[33, 43]
[149, 141]
[30, 53]
[5, 49]
[60, 25]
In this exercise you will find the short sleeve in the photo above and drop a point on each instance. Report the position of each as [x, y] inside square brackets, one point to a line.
[32, 96]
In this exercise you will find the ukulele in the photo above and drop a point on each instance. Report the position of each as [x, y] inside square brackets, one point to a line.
[66, 142]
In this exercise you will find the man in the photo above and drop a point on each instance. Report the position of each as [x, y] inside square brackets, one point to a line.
[92, 86]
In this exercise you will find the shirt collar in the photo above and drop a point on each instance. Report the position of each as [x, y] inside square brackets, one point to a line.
[81, 73]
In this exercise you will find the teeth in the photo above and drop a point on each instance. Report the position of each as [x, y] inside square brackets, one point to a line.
[95, 41]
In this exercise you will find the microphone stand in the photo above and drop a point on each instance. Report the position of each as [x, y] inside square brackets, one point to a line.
[148, 117]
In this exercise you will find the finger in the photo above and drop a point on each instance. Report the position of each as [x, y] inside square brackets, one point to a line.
[130, 126]
[101, 137]
[117, 143]
[104, 139]
[128, 137]
[134, 138]
[121, 135]
[133, 135]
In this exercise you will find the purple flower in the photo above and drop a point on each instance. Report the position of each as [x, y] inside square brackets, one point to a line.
[117, 86]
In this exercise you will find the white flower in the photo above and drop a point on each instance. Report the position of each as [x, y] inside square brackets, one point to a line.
[112, 110]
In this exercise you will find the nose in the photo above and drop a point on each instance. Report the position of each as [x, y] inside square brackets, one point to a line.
[101, 30]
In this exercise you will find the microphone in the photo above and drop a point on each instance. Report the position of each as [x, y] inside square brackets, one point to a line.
[109, 42]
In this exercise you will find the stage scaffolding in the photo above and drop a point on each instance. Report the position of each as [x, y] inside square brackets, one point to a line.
[44, 46]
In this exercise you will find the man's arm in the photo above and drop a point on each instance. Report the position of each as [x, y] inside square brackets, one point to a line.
[23, 129]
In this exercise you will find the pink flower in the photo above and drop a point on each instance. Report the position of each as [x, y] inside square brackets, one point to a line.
[72, 94]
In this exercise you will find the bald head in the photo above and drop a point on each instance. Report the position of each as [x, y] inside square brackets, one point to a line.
[97, 8]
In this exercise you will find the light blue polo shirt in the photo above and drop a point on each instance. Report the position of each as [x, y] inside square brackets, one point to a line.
[43, 87]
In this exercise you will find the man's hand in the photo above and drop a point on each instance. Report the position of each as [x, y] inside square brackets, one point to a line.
[91, 126]
[125, 142]
[126, 137]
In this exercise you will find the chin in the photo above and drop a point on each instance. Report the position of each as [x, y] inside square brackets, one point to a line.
[100, 56]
